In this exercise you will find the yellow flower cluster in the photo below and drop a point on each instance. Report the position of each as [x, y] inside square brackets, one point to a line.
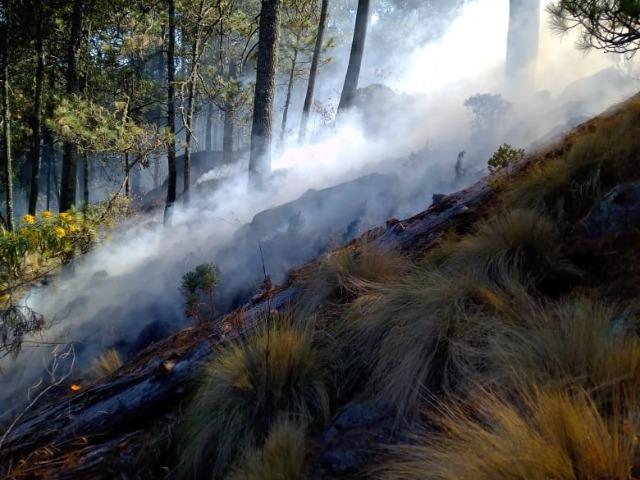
[59, 232]
[29, 219]
[47, 214]
[65, 217]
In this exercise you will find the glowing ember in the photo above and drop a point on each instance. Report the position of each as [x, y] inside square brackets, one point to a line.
[74, 387]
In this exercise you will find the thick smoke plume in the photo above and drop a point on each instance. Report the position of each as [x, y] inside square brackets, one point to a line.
[125, 293]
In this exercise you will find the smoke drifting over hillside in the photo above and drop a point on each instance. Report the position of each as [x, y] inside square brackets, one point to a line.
[125, 293]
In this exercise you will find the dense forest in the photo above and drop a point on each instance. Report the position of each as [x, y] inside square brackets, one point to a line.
[308, 239]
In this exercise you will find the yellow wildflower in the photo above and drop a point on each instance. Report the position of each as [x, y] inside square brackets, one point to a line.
[47, 214]
[65, 216]
[73, 228]
[29, 219]
[59, 232]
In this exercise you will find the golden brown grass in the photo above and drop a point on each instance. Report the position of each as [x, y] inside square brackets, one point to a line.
[425, 332]
[523, 240]
[342, 274]
[578, 342]
[597, 160]
[281, 458]
[106, 364]
[552, 435]
[430, 329]
[275, 371]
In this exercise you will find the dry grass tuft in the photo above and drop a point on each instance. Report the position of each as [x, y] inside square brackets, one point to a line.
[595, 163]
[281, 458]
[523, 240]
[424, 332]
[429, 330]
[342, 274]
[549, 436]
[579, 342]
[106, 364]
[277, 370]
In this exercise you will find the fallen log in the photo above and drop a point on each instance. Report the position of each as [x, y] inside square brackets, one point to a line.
[108, 415]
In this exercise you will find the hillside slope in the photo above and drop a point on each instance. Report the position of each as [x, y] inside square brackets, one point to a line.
[494, 335]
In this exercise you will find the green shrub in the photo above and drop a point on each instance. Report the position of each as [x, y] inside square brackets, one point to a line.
[281, 458]
[277, 370]
[504, 157]
[558, 436]
[198, 289]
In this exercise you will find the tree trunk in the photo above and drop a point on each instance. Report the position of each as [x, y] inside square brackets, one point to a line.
[229, 119]
[261, 131]
[49, 161]
[6, 115]
[208, 133]
[313, 72]
[69, 167]
[85, 181]
[135, 176]
[49, 151]
[127, 171]
[523, 40]
[195, 63]
[36, 122]
[355, 60]
[171, 113]
[287, 102]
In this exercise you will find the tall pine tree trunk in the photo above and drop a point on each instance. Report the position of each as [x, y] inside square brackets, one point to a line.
[127, 173]
[36, 121]
[355, 59]
[6, 115]
[523, 40]
[287, 102]
[195, 63]
[171, 114]
[313, 72]
[69, 166]
[85, 181]
[261, 131]
[208, 133]
[228, 131]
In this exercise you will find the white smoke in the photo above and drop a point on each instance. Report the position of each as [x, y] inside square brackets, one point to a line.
[127, 288]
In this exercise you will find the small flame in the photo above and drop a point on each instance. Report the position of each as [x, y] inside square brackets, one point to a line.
[75, 387]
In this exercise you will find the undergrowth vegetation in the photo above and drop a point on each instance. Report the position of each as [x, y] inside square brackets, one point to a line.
[579, 342]
[38, 246]
[556, 435]
[42, 242]
[281, 458]
[501, 349]
[596, 161]
[276, 371]
[343, 274]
